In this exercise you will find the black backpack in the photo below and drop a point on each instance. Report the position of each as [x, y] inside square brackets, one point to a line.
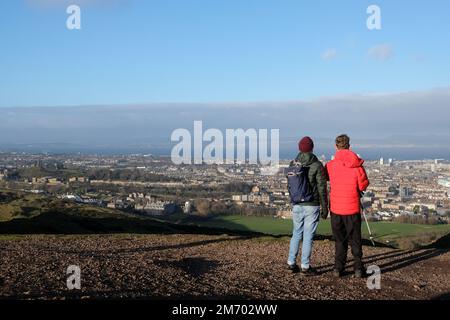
[298, 184]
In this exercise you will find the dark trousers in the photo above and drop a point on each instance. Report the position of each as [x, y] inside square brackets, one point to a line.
[347, 229]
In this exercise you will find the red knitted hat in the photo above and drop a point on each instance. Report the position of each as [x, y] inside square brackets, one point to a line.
[306, 145]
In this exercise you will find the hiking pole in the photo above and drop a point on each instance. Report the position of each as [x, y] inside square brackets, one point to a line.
[367, 222]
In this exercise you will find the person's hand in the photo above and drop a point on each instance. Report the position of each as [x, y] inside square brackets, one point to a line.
[324, 214]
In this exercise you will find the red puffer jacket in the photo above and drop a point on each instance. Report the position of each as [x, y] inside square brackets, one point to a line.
[347, 179]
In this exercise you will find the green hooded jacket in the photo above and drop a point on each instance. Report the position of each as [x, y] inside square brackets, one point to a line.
[317, 180]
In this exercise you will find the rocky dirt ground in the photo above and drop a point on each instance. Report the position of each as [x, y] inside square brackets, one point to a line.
[205, 267]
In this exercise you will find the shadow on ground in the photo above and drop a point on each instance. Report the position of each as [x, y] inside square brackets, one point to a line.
[195, 267]
[395, 260]
[444, 296]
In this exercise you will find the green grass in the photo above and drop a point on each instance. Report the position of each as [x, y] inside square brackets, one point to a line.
[20, 205]
[29, 213]
[41, 172]
[382, 231]
[11, 237]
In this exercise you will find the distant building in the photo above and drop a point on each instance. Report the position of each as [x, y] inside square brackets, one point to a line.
[423, 207]
[53, 181]
[253, 197]
[256, 189]
[381, 161]
[78, 179]
[37, 191]
[236, 198]
[157, 208]
[111, 205]
[405, 192]
[187, 207]
[444, 183]
[45, 180]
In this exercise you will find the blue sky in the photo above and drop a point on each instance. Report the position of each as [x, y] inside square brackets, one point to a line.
[145, 51]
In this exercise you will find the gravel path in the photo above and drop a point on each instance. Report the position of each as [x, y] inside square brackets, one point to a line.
[207, 267]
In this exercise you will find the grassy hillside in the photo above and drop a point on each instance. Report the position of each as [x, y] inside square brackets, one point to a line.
[22, 213]
[16, 204]
[45, 172]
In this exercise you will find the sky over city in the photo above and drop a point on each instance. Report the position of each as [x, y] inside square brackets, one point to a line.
[136, 51]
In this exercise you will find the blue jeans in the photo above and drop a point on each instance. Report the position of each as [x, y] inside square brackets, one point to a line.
[306, 219]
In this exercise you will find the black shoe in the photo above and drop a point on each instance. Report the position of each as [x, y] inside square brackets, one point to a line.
[294, 268]
[310, 271]
[337, 273]
[360, 273]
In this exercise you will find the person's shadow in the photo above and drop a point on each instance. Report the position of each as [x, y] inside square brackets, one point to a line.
[395, 260]
[444, 296]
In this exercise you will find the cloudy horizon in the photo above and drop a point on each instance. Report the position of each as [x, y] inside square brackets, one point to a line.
[405, 121]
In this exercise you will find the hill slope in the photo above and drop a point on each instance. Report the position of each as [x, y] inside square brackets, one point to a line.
[22, 213]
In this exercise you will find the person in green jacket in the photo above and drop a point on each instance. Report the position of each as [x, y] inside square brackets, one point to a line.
[306, 215]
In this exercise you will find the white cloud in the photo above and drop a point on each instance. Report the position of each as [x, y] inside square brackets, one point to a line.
[365, 115]
[329, 54]
[381, 52]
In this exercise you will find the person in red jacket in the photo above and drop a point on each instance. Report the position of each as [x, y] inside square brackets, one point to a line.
[347, 180]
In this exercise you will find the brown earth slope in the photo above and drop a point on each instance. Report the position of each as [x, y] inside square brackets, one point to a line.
[206, 267]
